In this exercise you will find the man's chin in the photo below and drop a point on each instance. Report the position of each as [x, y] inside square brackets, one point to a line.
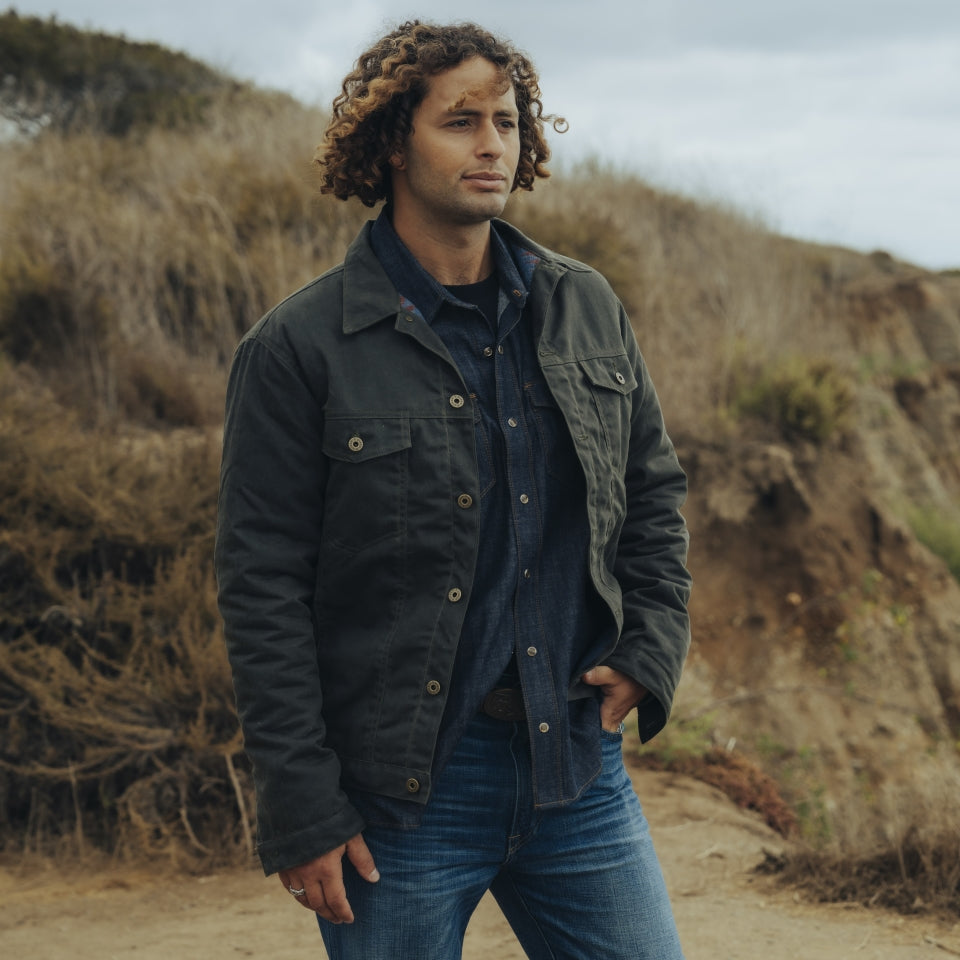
[484, 212]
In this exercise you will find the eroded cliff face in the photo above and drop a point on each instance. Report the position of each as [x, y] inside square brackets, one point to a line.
[826, 636]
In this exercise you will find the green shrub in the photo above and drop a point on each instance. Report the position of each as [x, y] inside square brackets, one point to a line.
[805, 398]
[939, 533]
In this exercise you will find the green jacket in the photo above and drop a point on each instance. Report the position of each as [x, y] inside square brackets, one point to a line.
[348, 448]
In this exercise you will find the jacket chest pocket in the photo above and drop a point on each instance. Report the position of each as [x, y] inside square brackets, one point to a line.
[367, 479]
[612, 382]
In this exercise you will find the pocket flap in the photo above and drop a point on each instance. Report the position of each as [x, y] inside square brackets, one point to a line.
[610, 373]
[355, 439]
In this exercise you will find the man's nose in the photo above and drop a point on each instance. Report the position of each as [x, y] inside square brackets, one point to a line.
[490, 143]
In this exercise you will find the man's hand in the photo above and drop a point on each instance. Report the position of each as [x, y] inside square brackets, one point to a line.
[620, 695]
[322, 879]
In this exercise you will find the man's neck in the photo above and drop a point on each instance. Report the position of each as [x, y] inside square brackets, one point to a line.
[453, 254]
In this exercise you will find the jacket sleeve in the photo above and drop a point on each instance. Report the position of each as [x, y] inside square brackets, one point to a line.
[650, 563]
[268, 535]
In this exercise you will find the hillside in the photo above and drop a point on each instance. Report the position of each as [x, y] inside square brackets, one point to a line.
[813, 392]
[53, 75]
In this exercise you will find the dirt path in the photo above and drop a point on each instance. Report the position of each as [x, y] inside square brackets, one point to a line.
[707, 847]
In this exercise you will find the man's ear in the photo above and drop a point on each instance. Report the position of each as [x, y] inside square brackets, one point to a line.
[396, 161]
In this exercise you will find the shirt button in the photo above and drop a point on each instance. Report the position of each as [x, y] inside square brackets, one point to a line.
[526, 574]
[433, 687]
[524, 498]
[531, 651]
[413, 785]
[488, 351]
[544, 727]
[512, 421]
[620, 377]
[454, 595]
[500, 349]
[355, 444]
[464, 500]
[517, 293]
[456, 401]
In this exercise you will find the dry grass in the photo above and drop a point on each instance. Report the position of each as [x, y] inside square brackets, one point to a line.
[119, 731]
[165, 246]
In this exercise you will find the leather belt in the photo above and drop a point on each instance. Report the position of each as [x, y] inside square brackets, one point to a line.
[504, 703]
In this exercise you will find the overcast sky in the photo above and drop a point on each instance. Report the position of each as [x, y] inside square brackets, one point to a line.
[835, 120]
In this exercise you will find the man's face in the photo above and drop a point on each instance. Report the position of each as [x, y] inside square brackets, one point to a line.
[458, 163]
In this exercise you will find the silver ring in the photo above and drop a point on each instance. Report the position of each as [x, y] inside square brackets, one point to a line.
[295, 892]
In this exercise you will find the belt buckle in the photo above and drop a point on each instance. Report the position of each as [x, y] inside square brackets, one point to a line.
[504, 703]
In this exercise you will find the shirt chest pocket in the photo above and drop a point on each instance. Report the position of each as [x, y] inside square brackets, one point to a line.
[367, 479]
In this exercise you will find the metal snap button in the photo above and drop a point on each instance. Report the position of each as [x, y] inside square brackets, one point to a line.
[531, 651]
[512, 421]
[455, 594]
[456, 401]
[413, 785]
[544, 727]
[355, 444]
[464, 500]
[488, 351]
[524, 498]
[433, 687]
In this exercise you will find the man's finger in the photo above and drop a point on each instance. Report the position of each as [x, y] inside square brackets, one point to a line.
[292, 884]
[601, 676]
[362, 859]
[329, 900]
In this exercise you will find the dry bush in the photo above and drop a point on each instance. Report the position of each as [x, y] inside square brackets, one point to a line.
[118, 725]
[685, 747]
[912, 866]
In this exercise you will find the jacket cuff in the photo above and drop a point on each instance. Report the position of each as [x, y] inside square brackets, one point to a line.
[291, 850]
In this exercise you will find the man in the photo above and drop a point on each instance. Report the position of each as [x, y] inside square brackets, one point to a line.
[450, 553]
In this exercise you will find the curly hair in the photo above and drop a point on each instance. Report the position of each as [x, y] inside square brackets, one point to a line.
[373, 113]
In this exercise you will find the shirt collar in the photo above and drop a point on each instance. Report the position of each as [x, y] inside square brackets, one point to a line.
[420, 293]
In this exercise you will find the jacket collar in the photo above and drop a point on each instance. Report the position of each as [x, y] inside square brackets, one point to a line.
[370, 296]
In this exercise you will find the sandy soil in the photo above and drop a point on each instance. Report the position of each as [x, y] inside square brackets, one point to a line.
[707, 847]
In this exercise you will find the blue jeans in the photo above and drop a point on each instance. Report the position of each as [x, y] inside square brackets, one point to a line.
[578, 882]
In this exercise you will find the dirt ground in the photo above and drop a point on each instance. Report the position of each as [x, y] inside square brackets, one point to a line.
[706, 845]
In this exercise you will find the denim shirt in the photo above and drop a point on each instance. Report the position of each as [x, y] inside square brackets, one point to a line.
[531, 600]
